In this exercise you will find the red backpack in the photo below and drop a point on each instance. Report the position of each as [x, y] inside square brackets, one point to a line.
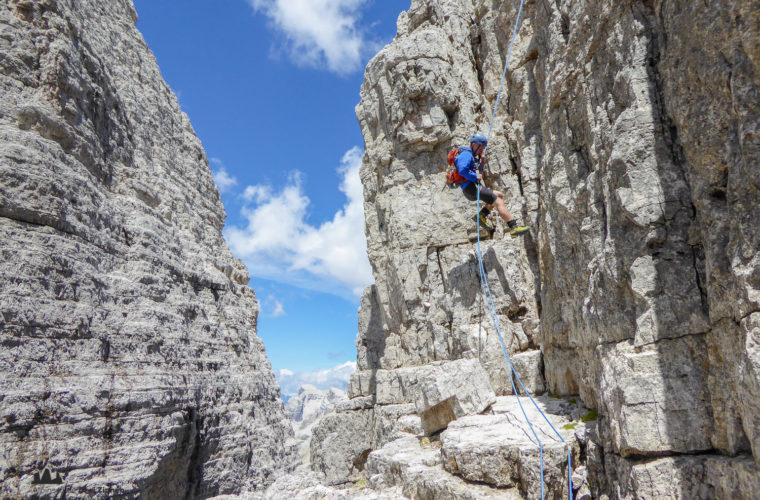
[453, 177]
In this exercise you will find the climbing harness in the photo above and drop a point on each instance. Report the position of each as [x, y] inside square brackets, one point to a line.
[486, 292]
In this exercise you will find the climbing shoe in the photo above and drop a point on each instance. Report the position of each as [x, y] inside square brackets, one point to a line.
[481, 219]
[518, 230]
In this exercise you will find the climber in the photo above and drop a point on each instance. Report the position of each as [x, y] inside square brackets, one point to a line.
[469, 164]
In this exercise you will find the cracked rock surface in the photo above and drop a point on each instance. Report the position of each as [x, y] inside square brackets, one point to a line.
[628, 138]
[306, 409]
[501, 449]
[130, 364]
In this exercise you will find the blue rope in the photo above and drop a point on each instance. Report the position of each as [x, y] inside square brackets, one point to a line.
[486, 291]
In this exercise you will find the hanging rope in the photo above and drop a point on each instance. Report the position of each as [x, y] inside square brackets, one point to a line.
[486, 292]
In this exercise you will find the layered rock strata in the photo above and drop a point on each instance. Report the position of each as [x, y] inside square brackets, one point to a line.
[129, 360]
[628, 138]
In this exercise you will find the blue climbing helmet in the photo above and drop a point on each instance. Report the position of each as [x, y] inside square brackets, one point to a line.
[479, 138]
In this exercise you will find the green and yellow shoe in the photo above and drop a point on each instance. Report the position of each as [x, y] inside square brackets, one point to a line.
[518, 230]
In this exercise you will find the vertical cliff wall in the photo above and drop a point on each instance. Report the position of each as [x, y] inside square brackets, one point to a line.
[130, 364]
[629, 139]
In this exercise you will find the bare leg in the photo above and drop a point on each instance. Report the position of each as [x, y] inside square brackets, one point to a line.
[501, 207]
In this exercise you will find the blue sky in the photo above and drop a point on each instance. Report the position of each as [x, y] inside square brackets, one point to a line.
[270, 87]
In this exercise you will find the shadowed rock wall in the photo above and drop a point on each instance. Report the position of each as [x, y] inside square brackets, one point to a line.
[647, 115]
[129, 363]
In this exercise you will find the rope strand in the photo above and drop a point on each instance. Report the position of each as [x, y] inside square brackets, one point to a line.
[486, 292]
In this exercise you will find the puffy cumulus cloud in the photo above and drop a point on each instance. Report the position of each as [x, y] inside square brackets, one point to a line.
[336, 376]
[224, 181]
[278, 244]
[320, 32]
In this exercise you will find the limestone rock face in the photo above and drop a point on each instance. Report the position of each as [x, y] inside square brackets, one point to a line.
[306, 409]
[130, 362]
[501, 449]
[702, 476]
[628, 138]
[417, 470]
[452, 390]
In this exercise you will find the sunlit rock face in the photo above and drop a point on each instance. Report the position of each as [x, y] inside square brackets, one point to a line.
[305, 411]
[130, 364]
[628, 138]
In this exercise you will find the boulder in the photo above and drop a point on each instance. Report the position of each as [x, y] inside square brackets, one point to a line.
[530, 367]
[415, 467]
[501, 450]
[340, 444]
[341, 441]
[669, 409]
[452, 390]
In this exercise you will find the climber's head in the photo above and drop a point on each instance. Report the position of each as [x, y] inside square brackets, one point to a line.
[478, 143]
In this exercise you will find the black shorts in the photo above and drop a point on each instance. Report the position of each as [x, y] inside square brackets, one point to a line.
[487, 196]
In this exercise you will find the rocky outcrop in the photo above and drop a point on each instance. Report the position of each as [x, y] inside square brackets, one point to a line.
[305, 484]
[483, 456]
[305, 411]
[342, 441]
[501, 450]
[129, 360]
[628, 138]
[449, 391]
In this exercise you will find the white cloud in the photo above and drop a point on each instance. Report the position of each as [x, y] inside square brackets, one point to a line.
[278, 244]
[319, 32]
[272, 307]
[336, 376]
[256, 193]
[224, 181]
[278, 309]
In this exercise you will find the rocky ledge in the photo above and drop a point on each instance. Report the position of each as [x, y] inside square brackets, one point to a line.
[493, 454]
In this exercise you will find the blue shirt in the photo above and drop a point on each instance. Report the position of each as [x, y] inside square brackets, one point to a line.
[467, 166]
